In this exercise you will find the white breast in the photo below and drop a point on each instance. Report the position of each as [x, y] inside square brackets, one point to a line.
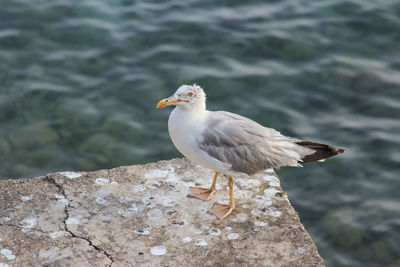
[185, 129]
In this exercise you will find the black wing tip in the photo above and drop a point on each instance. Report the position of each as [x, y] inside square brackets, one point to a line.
[340, 150]
[322, 151]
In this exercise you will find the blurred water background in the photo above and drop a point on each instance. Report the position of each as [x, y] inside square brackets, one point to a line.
[79, 81]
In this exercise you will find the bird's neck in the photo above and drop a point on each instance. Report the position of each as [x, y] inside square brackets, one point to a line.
[201, 106]
[194, 111]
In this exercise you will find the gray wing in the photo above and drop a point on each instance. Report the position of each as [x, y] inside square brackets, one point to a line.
[246, 145]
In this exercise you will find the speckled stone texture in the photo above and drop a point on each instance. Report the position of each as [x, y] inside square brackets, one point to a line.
[140, 216]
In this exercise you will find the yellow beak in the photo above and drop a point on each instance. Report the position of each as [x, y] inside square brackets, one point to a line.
[169, 101]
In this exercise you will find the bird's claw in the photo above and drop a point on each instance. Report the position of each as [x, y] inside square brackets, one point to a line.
[221, 210]
[202, 193]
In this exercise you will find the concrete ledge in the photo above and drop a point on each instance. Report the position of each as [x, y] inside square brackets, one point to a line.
[140, 216]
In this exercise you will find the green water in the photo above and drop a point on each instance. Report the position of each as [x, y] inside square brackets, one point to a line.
[79, 81]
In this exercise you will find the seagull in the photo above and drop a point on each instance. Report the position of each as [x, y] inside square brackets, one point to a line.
[231, 144]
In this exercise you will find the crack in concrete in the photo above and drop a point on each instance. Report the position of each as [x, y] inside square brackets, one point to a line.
[62, 191]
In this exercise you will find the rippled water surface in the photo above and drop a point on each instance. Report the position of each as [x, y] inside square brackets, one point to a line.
[79, 81]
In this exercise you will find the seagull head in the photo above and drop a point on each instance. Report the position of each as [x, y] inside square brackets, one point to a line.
[186, 97]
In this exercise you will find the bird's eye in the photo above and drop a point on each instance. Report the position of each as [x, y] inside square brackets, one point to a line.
[190, 93]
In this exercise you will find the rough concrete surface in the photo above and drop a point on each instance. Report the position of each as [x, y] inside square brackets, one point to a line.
[140, 216]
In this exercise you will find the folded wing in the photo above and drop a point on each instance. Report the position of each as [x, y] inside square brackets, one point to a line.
[248, 146]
